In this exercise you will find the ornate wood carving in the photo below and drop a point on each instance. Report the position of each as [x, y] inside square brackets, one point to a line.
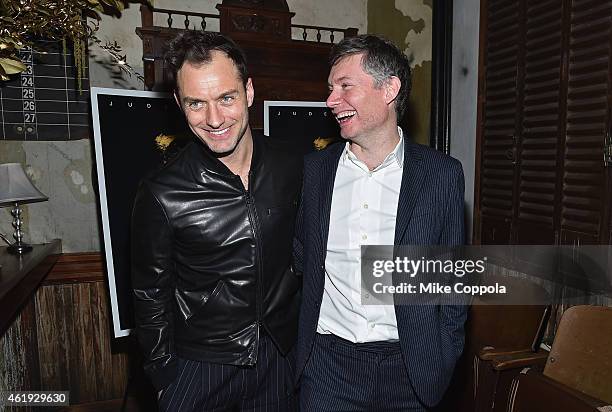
[249, 23]
[280, 5]
[239, 22]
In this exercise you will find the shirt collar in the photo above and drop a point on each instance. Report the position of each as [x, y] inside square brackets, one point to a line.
[397, 155]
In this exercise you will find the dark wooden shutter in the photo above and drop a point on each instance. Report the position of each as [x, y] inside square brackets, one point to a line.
[541, 131]
[499, 123]
[545, 108]
[588, 112]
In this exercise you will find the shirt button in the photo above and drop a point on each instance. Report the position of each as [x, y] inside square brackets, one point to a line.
[367, 295]
[365, 205]
[371, 325]
[364, 236]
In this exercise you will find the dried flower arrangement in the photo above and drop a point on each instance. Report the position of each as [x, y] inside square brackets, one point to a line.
[23, 21]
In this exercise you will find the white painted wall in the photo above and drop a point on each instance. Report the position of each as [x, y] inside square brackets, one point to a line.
[464, 94]
[62, 170]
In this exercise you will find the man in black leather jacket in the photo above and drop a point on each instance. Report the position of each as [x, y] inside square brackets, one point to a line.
[216, 299]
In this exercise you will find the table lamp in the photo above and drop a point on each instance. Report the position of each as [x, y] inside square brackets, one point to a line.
[16, 189]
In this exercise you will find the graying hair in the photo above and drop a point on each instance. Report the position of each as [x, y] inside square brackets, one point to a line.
[381, 59]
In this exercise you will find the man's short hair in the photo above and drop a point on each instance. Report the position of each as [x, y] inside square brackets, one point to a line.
[195, 47]
[381, 60]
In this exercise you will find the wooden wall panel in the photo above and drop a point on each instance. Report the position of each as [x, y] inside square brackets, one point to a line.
[17, 352]
[84, 337]
[75, 346]
[62, 338]
[51, 327]
[100, 343]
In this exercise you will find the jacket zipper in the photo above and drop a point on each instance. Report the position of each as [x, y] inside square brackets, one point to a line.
[252, 213]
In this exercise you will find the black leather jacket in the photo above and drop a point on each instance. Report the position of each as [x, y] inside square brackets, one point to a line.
[211, 261]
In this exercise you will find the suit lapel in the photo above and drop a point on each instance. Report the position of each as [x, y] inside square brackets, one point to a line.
[329, 167]
[412, 180]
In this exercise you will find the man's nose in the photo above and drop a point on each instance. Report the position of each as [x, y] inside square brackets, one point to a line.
[332, 99]
[214, 118]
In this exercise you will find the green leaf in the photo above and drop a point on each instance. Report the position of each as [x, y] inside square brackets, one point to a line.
[108, 3]
[11, 66]
[11, 43]
[119, 5]
[93, 12]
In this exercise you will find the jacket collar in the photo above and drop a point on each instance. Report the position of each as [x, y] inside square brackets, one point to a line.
[329, 168]
[212, 164]
[412, 181]
[413, 177]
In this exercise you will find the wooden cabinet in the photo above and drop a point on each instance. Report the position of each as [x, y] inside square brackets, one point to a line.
[59, 337]
[545, 97]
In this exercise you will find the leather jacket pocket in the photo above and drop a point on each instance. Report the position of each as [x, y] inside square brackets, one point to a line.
[212, 295]
[188, 307]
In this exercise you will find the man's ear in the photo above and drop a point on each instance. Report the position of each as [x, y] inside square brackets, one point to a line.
[250, 92]
[392, 88]
[177, 99]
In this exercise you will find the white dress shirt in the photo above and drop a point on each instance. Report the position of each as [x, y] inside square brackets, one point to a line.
[363, 212]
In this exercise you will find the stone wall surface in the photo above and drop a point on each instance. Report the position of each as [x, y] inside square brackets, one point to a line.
[408, 23]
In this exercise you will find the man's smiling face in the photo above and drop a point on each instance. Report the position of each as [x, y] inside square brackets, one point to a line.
[359, 105]
[215, 102]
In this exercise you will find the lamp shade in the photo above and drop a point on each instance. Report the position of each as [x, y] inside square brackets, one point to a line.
[16, 187]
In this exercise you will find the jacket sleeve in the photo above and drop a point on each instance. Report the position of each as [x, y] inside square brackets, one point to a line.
[453, 315]
[453, 233]
[152, 283]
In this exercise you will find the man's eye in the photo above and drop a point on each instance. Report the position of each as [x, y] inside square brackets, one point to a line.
[227, 99]
[194, 105]
[345, 85]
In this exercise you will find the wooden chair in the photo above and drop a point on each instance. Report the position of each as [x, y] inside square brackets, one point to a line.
[578, 372]
[516, 342]
[495, 328]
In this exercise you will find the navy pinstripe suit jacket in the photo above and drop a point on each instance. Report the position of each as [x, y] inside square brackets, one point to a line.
[429, 212]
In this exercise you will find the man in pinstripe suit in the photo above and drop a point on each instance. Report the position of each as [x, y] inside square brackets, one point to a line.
[376, 188]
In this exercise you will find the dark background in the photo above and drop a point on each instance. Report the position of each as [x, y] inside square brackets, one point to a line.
[302, 125]
[130, 153]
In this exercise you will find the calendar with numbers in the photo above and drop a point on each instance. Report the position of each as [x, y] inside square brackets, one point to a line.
[44, 101]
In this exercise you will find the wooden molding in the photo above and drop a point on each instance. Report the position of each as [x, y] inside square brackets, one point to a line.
[77, 268]
[21, 276]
